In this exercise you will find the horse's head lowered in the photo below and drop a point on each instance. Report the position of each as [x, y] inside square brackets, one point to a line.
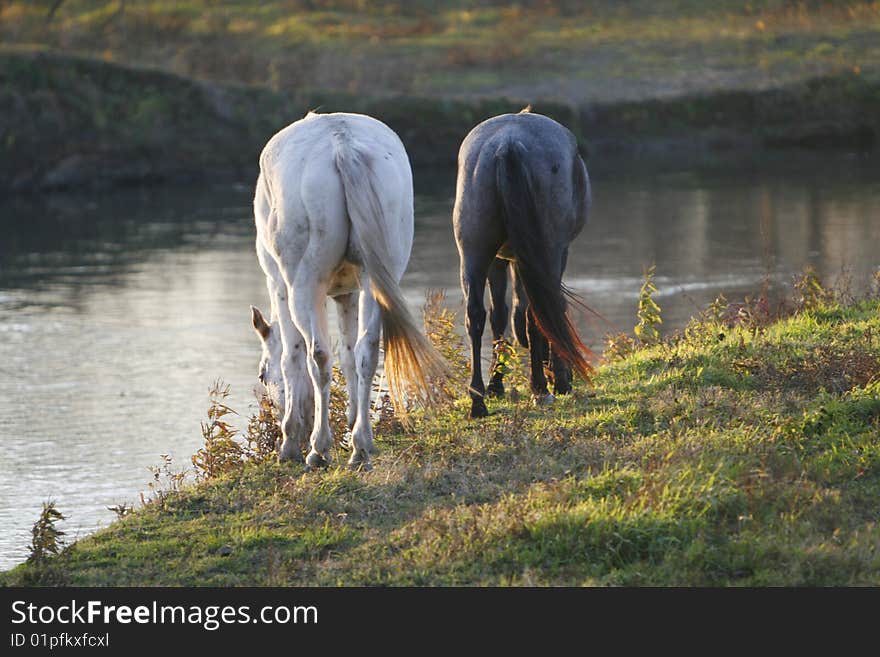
[270, 362]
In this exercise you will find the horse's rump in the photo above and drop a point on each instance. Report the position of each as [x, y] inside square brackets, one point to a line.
[410, 359]
[537, 255]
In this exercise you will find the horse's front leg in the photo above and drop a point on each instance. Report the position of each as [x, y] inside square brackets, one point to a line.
[296, 419]
[498, 320]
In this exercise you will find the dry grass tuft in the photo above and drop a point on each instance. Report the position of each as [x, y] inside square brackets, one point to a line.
[440, 329]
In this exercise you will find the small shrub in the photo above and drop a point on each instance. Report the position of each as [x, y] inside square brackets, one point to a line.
[753, 312]
[221, 452]
[166, 481]
[709, 324]
[440, 329]
[618, 347]
[842, 291]
[121, 510]
[647, 330]
[46, 538]
[387, 421]
[810, 293]
[263, 431]
[507, 360]
[339, 407]
[717, 311]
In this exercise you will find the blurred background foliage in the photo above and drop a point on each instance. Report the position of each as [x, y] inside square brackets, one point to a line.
[106, 90]
[577, 51]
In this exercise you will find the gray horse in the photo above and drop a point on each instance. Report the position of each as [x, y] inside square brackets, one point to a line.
[522, 196]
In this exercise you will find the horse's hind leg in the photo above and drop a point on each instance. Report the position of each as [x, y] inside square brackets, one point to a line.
[520, 309]
[561, 370]
[474, 271]
[561, 374]
[498, 320]
[537, 357]
[308, 309]
[297, 418]
[296, 397]
[366, 357]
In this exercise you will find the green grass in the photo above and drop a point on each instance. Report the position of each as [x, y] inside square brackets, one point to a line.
[594, 51]
[727, 455]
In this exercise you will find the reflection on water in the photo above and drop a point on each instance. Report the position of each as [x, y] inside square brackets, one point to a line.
[118, 310]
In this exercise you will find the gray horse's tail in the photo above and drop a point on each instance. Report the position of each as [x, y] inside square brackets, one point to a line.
[535, 262]
[411, 361]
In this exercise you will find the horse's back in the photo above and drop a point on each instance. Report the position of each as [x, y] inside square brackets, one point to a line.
[541, 135]
[300, 167]
[313, 138]
[545, 148]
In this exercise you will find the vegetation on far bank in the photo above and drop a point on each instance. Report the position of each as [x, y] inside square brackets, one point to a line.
[743, 450]
[595, 51]
[76, 122]
[72, 122]
[110, 92]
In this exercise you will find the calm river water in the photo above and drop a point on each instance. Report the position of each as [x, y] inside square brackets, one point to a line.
[119, 309]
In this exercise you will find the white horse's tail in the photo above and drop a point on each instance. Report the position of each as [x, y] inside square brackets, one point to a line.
[411, 361]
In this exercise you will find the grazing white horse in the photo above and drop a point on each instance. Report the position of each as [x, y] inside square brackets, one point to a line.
[334, 215]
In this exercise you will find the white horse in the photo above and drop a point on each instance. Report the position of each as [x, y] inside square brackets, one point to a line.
[334, 215]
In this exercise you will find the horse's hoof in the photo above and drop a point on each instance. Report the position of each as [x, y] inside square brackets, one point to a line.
[315, 460]
[544, 400]
[360, 460]
[289, 452]
[478, 410]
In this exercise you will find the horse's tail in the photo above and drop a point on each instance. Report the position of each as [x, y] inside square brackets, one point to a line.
[411, 361]
[540, 275]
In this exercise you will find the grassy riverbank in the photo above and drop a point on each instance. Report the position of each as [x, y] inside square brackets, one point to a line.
[743, 451]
